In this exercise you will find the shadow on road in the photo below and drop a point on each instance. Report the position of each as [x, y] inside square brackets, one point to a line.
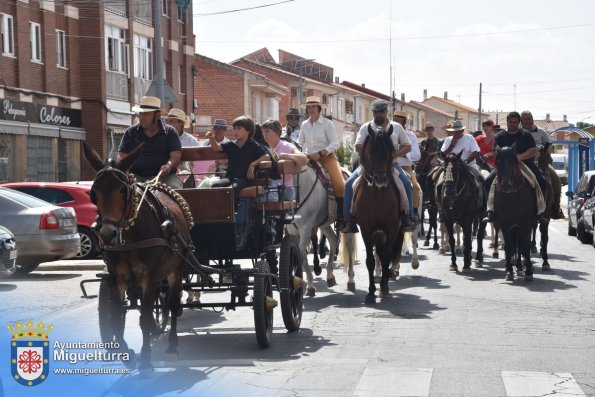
[7, 287]
[45, 277]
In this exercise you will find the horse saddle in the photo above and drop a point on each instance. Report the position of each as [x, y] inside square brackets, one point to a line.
[321, 173]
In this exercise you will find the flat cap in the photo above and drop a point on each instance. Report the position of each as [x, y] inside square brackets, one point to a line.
[379, 105]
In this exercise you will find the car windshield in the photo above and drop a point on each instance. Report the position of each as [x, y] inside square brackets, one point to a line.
[24, 199]
[558, 166]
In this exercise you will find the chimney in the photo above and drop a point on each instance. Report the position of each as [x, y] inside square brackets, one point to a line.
[425, 94]
[547, 117]
[445, 94]
[336, 80]
[403, 96]
[363, 85]
[565, 118]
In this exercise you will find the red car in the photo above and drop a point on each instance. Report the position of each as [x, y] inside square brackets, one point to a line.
[68, 194]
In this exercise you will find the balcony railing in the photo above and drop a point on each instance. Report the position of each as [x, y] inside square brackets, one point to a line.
[116, 6]
[117, 86]
[140, 88]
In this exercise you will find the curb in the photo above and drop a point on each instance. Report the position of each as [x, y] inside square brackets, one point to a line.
[71, 265]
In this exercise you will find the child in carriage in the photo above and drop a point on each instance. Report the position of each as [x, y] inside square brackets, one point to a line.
[244, 154]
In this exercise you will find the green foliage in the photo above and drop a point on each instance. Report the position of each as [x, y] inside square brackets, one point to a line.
[344, 156]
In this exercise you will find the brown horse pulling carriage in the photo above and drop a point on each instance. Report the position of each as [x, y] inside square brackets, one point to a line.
[154, 236]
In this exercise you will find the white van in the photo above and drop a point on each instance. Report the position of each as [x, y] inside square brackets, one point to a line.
[560, 164]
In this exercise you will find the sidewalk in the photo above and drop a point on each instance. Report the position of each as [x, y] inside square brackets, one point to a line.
[72, 264]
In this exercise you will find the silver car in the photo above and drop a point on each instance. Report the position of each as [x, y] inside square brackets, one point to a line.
[8, 253]
[43, 232]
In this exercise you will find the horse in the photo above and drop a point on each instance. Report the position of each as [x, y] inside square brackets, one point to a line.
[515, 207]
[147, 238]
[377, 208]
[313, 212]
[423, 169]
[458, 197]
[543, 163]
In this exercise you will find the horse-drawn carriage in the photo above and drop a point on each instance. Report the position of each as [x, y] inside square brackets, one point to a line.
[216, 230]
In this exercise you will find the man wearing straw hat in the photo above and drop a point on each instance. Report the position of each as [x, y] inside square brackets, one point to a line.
[162, 149]
[318, 139]
[292, 130]
[177, 118]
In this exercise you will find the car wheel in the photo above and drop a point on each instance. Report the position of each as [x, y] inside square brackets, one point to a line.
[88, 244]
[571, 230]
[25, 269]
[581, 233]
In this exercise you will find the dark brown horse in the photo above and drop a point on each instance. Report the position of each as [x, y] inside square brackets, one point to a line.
[377, 208]
[460, 196]
[423, 170]
[146, 241]
[543, 163]
[514, 205]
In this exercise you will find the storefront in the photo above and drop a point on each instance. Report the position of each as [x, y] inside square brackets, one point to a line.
[39, 142]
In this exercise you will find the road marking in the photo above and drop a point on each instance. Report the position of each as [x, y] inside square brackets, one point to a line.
[395, 382]
[529, 384]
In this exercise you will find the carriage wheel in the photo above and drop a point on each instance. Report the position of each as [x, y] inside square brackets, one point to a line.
[291, 283]
[161, 310]
[107, 322]
[263, 313]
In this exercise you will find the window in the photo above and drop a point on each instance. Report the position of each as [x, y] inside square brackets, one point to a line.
[182, 79]
[35, 42]
[7, 34]
[143, 57]
[61, 48]
[116, 49]
[181, 15]
[165, 7]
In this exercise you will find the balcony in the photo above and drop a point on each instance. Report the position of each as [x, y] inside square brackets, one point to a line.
[140, 88]
[117, 86]
[117, 7]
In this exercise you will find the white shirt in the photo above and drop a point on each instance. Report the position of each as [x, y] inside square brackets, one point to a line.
[466, 144]
[188, 140]
[317, 136]
[399, 136]
[415, 154]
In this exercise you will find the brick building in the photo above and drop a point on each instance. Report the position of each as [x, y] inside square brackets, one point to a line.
[86, 64]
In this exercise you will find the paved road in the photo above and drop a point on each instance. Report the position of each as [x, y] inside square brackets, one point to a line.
[442, 334]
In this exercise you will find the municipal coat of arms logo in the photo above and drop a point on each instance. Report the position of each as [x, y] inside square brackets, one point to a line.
[29, 352]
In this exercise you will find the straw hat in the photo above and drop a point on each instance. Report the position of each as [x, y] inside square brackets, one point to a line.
[428, 126]
[313, 100]
[179, 114]
[447, 126]
[148, 104]
[456, 126]
[398, 113]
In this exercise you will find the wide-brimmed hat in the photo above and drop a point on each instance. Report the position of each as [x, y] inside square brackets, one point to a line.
[293, 112]
[313, 100]
[220, 123]
[179, 114]
[148, 104]
[428, 125]
[399, 113]
[456, 126]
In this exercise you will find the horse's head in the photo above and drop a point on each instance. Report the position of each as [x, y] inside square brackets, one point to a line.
[507, 167]
[377, 156]
[113, 192]
[545, 158]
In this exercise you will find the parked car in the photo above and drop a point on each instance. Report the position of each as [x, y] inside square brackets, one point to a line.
[68, 194]
[586, 222]
[560, 165]
[8, 253]
[43, 232]
[578, 198]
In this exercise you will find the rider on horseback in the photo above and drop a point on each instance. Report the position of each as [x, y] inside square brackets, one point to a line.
[400, 141]
[524, 146]
[318, 139]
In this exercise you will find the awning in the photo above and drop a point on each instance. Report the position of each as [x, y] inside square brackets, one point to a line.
[13, 127]
[52, 131]
[73, 133]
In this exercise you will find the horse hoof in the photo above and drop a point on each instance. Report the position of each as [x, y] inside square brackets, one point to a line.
[351, 287]
[510, 277]
[317, 270]
[528, 278]
[520, 273]
[311, 291]
[491, 245]
[436, 246]
[546, 267]
[453, 268]
[533, 249]
[377, 279]
[466, 269]
[478, 264]
[442, 251]
[145, 369]
[495, 255]
[172, 350]
[331, 282]
[415, 264]
[385, 294]
[426, 243]
[370, 299]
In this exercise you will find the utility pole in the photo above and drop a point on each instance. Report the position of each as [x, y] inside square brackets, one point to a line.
[158, 52]
[514, 88]
[479, 117]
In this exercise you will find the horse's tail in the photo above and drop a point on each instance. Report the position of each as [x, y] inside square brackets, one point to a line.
[347, 250]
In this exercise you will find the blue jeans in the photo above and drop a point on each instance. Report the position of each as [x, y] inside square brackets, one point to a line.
[349, 190]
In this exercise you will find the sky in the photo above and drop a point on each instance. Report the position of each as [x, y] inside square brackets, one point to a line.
[529, 55]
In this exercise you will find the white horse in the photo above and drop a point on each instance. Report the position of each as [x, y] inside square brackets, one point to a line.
[317, 209]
